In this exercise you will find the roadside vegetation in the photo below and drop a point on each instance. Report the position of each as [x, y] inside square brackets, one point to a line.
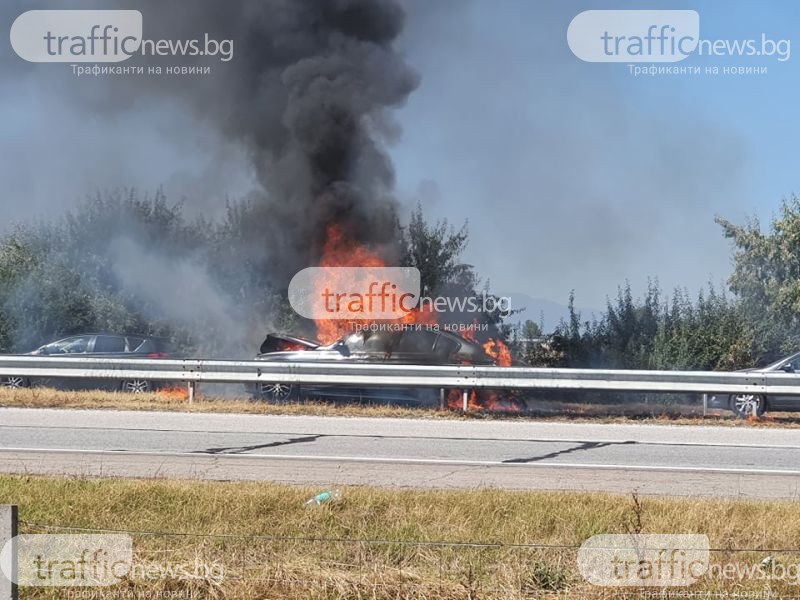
[131, 264]
[384, 543]
[753, 323]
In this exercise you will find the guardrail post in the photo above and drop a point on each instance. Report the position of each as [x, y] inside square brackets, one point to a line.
[465, 400]
[8, 530]
[192, 389]
[705, 405]
[442, 404]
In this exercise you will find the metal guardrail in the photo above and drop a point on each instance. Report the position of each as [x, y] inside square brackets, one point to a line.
[370, 374]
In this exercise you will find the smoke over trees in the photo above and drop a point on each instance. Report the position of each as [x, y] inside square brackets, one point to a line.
[103, 268]
[308, 95]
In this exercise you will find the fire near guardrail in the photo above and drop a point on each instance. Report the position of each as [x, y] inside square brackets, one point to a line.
[231, 371]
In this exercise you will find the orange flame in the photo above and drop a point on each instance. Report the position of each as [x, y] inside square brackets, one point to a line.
[174, 392]
[469, 331]
[339, 251]
[287, 346]
[487, 399]
[479, 400]
[498, 351]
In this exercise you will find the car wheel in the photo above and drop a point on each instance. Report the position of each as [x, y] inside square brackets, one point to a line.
[276, 392]
[137, 386]
[15, 382]
[745, 405]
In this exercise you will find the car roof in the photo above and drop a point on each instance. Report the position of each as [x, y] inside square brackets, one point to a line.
[780, 362]
[92, 334]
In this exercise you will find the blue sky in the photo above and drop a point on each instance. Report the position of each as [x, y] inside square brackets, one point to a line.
[579, 175]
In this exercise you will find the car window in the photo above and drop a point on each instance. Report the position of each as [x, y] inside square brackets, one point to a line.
[134, 344]
[109, 343]
[355, 342]
[368, 341]
[418, 342]
[382, 342]
[73, 345]
[446, 347]
[147, 347]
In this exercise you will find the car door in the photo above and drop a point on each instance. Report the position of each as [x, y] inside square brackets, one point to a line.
[416, 347]
[77, 345]
[783, 402]
[358, 347]
[105, 346]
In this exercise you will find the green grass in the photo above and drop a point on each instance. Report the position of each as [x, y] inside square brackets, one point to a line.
[305, 553]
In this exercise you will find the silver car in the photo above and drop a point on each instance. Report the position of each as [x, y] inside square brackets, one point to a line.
[745, 405]
[95, 345]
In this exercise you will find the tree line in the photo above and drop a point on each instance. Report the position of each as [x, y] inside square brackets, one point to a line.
[128, 263]
[754, 322]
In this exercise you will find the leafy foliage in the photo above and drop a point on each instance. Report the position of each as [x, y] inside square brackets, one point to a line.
[57, 278]
[436, 250]
[766, 277]
[65, 276]
[711, 332]
[129, 264]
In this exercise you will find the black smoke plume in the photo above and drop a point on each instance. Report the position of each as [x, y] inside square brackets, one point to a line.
[308, 93]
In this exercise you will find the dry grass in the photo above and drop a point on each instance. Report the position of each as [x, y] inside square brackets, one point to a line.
[50, 398]
[556, 411]
[394, 564]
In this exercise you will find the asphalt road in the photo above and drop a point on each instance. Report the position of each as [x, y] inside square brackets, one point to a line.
[650, 459]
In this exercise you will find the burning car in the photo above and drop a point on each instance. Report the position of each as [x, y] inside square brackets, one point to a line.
[410, 346]
[96, 346]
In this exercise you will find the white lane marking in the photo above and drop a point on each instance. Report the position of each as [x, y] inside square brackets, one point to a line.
[421, 461]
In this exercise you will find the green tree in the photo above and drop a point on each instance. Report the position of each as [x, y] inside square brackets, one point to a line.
[530, 330]
[58, 276]
[436, 250]
[711, 332]
[766, 277]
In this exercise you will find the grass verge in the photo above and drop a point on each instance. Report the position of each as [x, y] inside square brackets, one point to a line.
[381, 544]
[176, 401]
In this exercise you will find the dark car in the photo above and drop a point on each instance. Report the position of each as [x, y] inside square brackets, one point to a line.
[745, 405]
[96, 345]
[410, 346]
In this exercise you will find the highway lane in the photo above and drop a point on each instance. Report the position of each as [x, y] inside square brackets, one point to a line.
[657, 459]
